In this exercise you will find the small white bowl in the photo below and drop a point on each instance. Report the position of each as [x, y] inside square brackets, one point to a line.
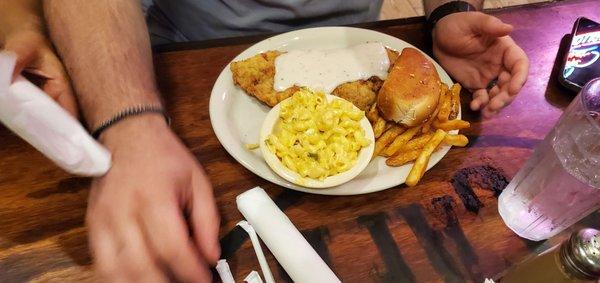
[364, 156]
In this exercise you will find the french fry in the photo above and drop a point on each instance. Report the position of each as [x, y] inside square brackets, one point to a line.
[416, 144]
[402, 158]
[421, 162]
[445, 103]
[382, 152]
[451, 125]
[410, 151]
[400, 140]
[443, 88]
[427, 125]
[388, 125]
[379, 127]
[456, 140]
[373, 114]
[455, 90]
[386, 138]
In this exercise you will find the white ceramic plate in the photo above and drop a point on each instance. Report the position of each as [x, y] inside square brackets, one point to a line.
[237, 118]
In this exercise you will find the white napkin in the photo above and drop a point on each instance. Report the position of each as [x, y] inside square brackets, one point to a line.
[35, 117]
[294, 253]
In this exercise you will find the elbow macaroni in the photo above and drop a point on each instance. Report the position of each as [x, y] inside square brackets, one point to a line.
[316, 138]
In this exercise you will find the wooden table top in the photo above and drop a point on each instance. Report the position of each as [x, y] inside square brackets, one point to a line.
[424, 233]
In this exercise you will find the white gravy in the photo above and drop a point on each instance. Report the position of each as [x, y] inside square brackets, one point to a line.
[324, 70]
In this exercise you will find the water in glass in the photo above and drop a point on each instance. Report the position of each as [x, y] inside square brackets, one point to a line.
[560, 183]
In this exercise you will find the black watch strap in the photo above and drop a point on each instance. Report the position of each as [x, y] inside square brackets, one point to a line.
[447, 9]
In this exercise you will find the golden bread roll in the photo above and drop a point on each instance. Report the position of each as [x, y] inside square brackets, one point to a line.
[411, 91]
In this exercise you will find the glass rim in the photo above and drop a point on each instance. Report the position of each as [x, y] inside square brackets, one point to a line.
[587, 111]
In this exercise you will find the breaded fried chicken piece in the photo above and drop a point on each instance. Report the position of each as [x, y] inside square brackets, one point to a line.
[362, 93]
[256, 74]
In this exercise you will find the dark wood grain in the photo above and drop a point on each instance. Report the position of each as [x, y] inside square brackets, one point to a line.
[424, 233]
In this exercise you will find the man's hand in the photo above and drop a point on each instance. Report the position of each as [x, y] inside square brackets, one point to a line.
[153, 216]
[475, 49]
[140, 215]
[22, 34]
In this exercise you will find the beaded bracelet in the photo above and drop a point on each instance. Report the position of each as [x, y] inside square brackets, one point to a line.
[130, 112]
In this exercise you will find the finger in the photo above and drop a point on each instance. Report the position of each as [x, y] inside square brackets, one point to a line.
[500, 100]
[509, 100]
[480, 99]
[496, 104]
[501, 86]
[168, 235]
[503, 78]
[490, 25]
[519, 76]
[57, 83]
[103, 250]
[119, 251]
[515, 60]
[135, 259]
[488, 113]
[205, 218]
[494, 91]
[25, 54]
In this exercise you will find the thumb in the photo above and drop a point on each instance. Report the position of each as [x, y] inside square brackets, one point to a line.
[491, 26]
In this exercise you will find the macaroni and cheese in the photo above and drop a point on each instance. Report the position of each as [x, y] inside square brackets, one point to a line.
[317, 138]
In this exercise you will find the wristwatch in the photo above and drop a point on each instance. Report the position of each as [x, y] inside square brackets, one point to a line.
[447, 9]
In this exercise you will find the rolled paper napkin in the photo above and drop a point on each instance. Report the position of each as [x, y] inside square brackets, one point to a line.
[35, 117]
[285, 242]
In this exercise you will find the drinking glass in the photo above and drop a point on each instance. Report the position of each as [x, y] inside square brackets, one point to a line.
[560, 183]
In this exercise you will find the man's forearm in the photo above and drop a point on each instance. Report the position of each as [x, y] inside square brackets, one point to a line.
[105, 47]
[430, 5]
